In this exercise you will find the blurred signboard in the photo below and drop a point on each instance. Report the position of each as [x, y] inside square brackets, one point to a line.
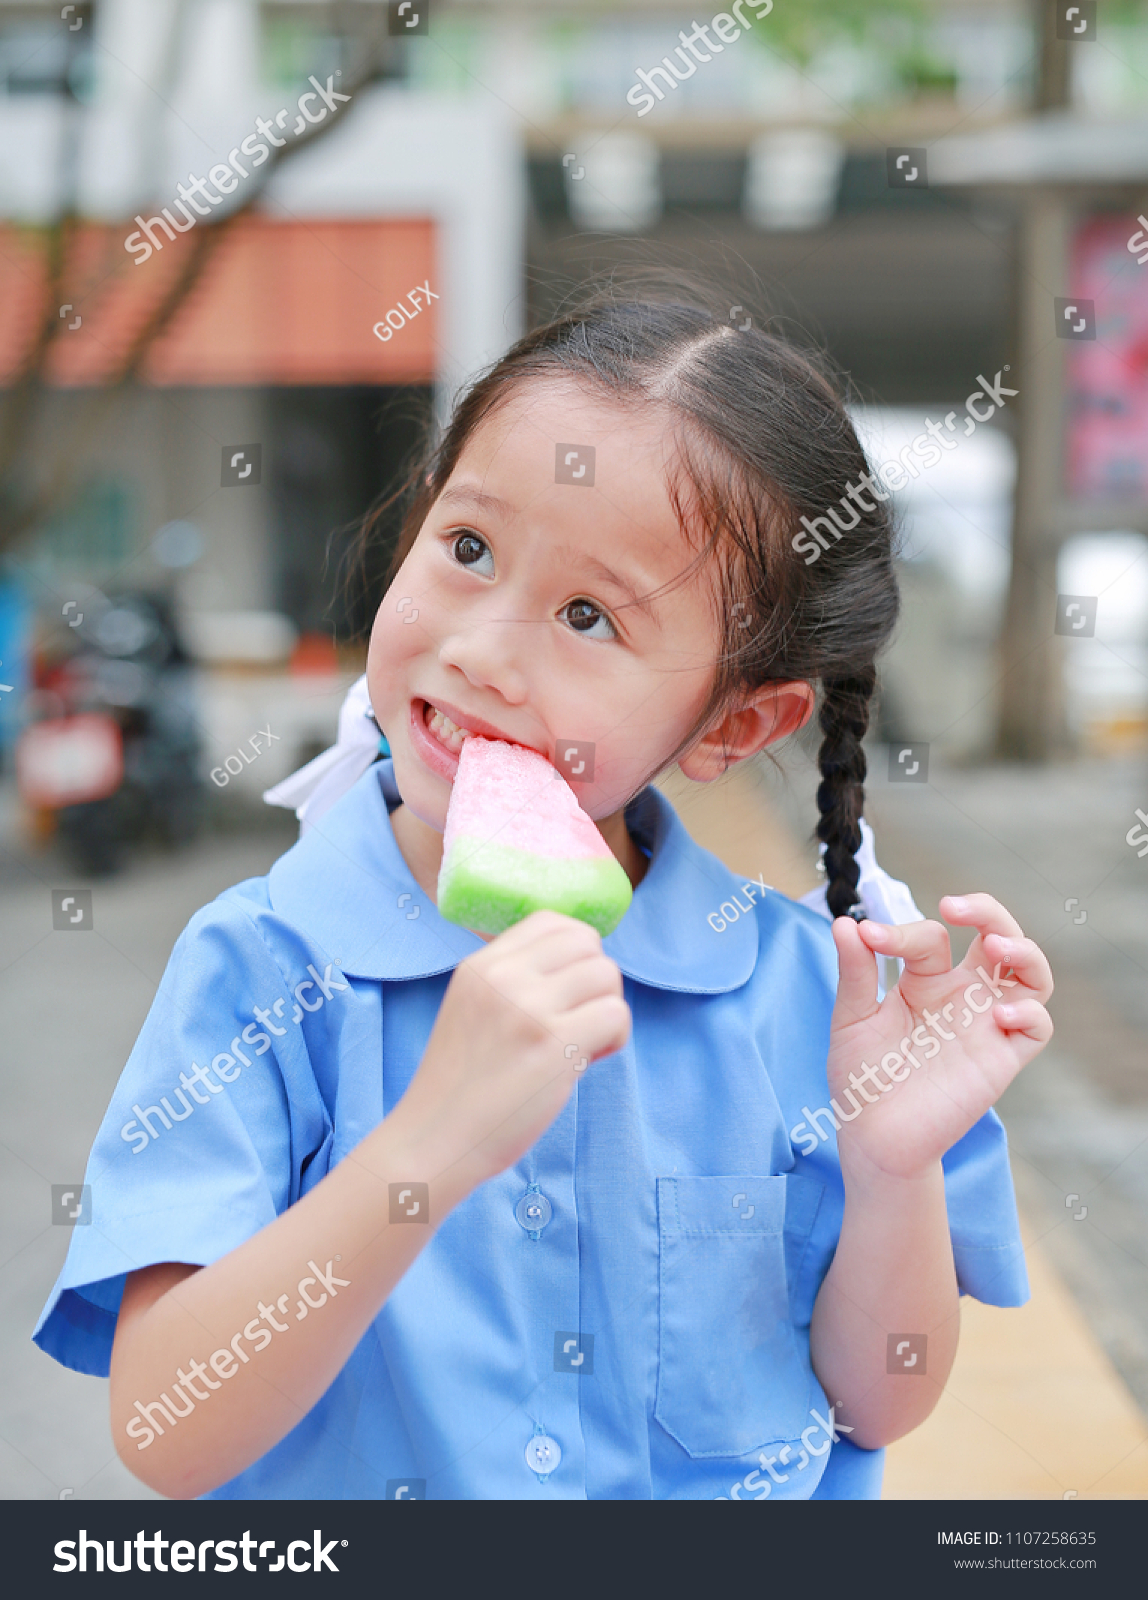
[1108, 366]
[68, 760]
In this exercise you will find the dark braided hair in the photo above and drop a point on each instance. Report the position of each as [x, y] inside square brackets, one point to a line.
[840, 794]
[764, 447]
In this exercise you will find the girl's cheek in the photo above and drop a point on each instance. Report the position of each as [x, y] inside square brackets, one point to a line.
[377, 649]
[396, 633]
[390, 644]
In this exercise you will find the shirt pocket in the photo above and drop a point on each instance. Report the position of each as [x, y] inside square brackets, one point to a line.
[733, 1371]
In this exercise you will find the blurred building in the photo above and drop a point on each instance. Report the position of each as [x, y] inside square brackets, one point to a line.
[506, 150]
[279, 400]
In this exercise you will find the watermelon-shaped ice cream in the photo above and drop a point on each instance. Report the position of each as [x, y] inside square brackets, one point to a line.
[517, 841]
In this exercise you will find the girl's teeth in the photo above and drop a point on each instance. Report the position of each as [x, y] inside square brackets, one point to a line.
[444, 730]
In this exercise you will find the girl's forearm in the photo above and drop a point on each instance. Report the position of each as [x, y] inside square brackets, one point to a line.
[246, 1346]
[892, 1275]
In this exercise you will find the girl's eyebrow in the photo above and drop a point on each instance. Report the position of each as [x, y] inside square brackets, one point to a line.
[599, 569]
[476, 497]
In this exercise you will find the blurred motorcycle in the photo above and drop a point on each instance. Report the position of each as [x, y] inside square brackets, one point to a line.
[114, 752]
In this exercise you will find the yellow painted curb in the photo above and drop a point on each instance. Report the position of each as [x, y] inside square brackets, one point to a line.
[1033, 1410]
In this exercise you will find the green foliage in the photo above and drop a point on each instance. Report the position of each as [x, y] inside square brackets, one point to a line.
[1123, 11]
[293, 48]
[800, 29]
[897, 33]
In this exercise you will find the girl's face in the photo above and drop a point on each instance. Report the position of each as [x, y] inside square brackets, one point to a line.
[521, 610]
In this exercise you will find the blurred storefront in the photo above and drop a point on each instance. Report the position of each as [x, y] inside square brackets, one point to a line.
[313, 333]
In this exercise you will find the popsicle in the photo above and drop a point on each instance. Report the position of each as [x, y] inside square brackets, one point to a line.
[517, 841]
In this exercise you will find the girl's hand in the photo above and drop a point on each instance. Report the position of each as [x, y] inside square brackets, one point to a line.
[942, 1047]
[520, 1022]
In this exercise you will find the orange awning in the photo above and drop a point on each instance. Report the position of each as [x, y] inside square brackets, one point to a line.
[276, 303]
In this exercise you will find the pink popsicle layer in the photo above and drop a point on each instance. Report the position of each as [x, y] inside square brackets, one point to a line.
[508, 795]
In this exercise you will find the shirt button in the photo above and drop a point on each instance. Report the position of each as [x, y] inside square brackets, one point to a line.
[543, 1454]
[533, 1211]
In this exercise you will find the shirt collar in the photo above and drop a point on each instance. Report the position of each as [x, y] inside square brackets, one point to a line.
[346, 885]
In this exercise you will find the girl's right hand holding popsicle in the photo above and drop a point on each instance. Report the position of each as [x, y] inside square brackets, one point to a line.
[520, 1021]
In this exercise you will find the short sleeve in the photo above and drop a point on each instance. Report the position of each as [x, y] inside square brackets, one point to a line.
[983, 1221]
[211, 1127]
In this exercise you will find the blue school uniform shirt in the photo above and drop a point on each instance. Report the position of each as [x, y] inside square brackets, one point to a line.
[666, 1223]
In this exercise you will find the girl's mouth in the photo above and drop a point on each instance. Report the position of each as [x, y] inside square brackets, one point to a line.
[436, 739]
[440, 727]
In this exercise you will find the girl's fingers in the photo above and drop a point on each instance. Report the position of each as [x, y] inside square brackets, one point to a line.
[857, 984]
[551, 939]
[982, 912]
[923, 946]
[597, 1028]
[1027, 1017]
[1026, 959]
[532, 928]
[589, 979]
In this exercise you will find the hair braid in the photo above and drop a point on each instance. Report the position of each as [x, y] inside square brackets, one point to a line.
[841, 794]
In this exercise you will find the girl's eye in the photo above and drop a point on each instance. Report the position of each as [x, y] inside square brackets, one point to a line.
[589, 620]
[470, 550]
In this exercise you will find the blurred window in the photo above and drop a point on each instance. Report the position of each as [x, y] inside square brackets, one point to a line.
[94, 535]
[333, 451]
[41, 54]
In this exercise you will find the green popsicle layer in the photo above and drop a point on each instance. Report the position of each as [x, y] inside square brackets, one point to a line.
[490, 887]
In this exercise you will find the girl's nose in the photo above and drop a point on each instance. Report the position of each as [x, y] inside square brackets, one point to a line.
[487, 653]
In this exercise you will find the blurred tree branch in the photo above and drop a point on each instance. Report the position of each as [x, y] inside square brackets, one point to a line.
[23, 510]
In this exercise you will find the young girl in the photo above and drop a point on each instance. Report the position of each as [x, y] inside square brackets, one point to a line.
[382, 1209]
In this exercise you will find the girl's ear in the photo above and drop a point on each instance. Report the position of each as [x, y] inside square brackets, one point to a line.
[770, 714]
